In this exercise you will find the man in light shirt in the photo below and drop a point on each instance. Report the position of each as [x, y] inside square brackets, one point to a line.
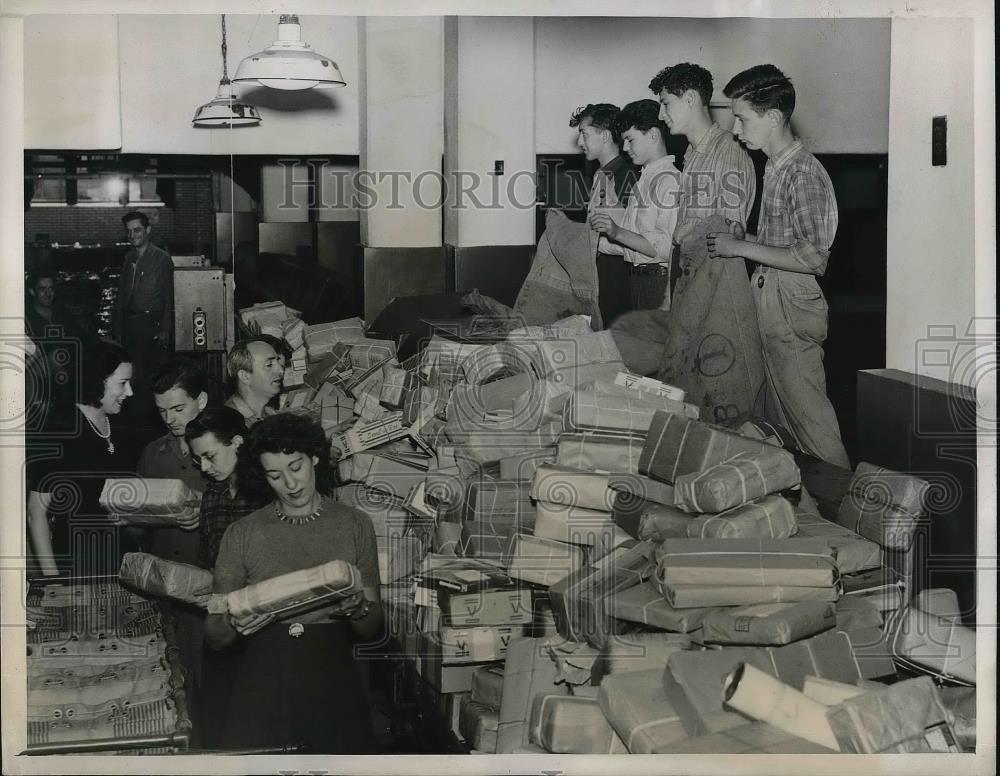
[645, 235]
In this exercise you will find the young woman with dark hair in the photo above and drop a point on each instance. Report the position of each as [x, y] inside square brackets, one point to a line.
[298, 682]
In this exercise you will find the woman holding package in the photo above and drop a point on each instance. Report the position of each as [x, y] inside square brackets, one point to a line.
[67, 463]
[298, 682]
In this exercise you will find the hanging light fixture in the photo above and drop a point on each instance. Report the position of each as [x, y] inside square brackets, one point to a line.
[288, 63]
[224, 110]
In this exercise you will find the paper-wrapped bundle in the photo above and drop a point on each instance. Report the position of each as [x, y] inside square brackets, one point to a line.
[486, 447]
[600, 452]
[930, 637]
[573, 487]
[522, 466]
[643, 487]
[739, 480]
[321, 337]
[854, 553]
[610, 413]
[478, 725]
[693, 684]
[394, 383]
[752, 738]
[147, 500]
[752, 562]
[628, 652]
[769, 624]
[772, 517]
[542, 561]
[569, 354]
[645, 604]
[676, 445]
[297, 590]
[565, 724]
[884, 506]
[637, 707]
[528, 671]
[494, 498]
[487, 685]
[659, 522]
[904, 717]
[166, 578]
[576, 525]
[491, 538]
[698, 596]
[578, 601]
[333, 364]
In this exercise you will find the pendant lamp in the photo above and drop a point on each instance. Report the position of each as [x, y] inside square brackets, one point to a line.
[225, 110]
[288, 63]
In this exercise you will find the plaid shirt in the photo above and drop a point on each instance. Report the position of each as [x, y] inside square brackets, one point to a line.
[718, 178]
[798, 208]
[219, 510]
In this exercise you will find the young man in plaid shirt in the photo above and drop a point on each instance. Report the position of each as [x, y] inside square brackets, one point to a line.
[796, 227]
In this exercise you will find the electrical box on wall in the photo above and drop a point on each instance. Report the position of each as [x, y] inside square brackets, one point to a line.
[203, 309]
[939, 141]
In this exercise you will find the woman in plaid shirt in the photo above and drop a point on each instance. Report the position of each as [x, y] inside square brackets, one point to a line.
[214, 437]
[796, 227]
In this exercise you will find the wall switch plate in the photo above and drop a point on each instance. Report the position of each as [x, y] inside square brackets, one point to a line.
[939, 141]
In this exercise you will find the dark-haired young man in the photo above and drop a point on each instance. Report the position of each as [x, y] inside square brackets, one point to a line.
[599, 138]
[645, 233]
[718, 174]
[711, 302]
[180, 392]
[796, 227]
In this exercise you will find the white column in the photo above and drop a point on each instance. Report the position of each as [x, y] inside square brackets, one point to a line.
[490, 117]
[402, 130]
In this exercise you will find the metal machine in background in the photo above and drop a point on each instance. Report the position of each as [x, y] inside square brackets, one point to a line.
[204, 317]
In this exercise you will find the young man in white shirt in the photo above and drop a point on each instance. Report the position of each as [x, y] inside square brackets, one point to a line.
[645, 235]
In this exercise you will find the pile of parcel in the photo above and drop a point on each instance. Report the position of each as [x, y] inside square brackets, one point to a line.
[577, 564]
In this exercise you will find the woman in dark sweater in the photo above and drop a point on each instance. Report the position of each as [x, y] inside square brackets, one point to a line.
[298, 682]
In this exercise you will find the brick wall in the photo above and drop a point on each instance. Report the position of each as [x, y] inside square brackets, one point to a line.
[190, 224]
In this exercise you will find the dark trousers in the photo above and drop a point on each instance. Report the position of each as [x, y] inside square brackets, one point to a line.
[647, 286]
[612, 287]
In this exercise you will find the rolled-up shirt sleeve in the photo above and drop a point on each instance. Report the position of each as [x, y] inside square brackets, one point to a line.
[813, 207]
[656, 218]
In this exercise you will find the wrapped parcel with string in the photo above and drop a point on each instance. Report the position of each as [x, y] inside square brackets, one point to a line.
[297, 590]
[166, 578]
[743, 478]
[148, 500]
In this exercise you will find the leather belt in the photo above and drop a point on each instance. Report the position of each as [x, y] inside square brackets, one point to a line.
[649, 269]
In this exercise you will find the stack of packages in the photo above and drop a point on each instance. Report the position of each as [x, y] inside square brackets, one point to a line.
[544, 516]
[279, 320]
[101, 667]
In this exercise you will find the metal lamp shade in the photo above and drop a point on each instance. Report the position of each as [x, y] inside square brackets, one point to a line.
[289, 64]
[225, 111]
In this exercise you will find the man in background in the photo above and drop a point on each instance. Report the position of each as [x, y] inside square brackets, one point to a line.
[256, 370]
[144, 313]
